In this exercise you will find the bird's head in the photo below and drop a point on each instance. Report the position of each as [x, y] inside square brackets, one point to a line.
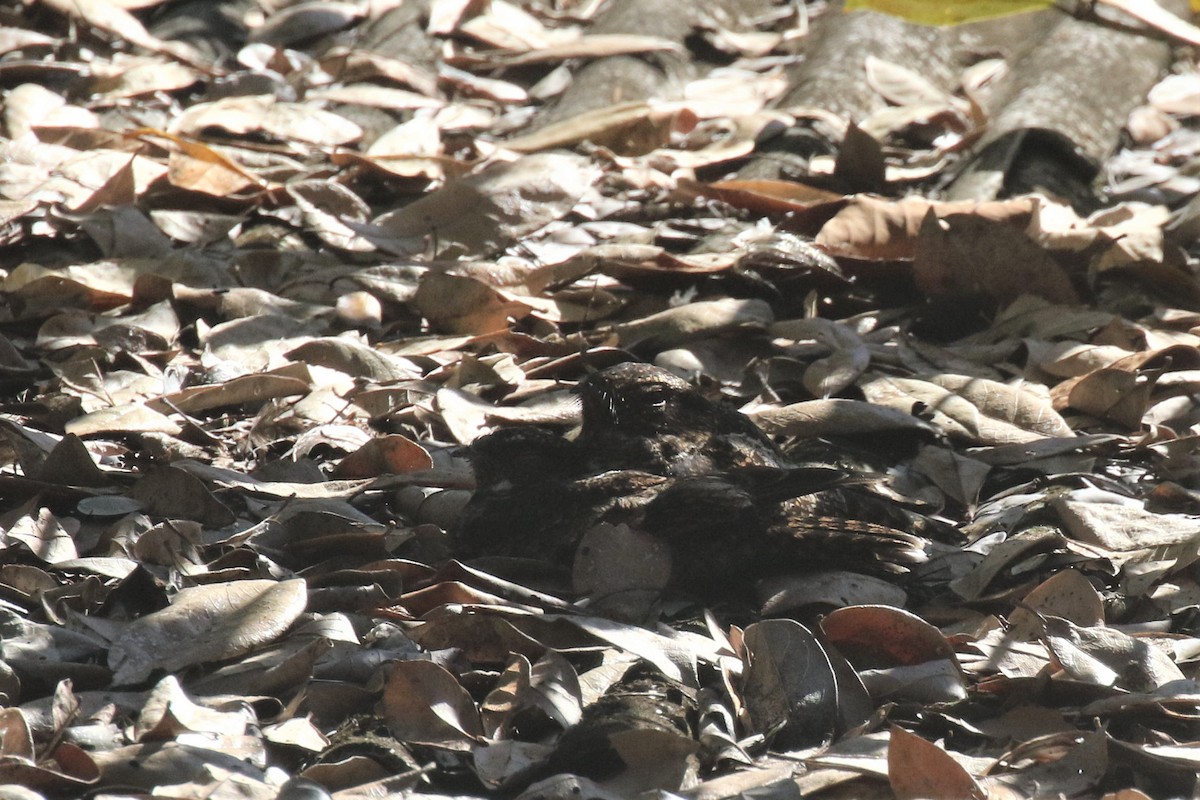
[640, 399]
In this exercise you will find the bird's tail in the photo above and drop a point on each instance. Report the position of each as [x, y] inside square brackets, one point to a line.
[850, 544]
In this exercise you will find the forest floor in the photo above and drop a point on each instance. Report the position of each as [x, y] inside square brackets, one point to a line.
[270, 269]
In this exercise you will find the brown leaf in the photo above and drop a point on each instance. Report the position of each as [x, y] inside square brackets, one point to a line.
[265, 115]
[806, 204]
[112, 18]
[1122, 390]
[130, 418]
[975, 409]
[549, 685]
[816, 418]
[172, 492]
[869, 635]
[623, 571]
[484, 211]
[205, 623]
[789, 684]
[1125, 527]
[458, 304]
[832, 587]
[386, 454]
[1108, 657]
[628, 129]
[423, 702]
[693, 321]
[877, 229]
[920, 770]
[592, 46]
[964, 256]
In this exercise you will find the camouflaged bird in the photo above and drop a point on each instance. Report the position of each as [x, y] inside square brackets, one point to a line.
[638, 416]
[657, 454]
[534, 497]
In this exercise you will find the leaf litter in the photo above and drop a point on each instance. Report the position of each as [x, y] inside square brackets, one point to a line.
[262, 288]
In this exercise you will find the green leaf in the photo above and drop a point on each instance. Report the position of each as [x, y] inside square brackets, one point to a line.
[947, 12]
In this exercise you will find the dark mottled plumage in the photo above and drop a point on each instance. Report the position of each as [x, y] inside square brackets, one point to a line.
[656, 453]
[722, 527]
[637, 416]
[533, 498]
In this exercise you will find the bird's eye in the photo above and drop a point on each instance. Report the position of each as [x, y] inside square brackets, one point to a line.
[656, 397]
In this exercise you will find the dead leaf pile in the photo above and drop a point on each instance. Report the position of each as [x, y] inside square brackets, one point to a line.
[268, 267]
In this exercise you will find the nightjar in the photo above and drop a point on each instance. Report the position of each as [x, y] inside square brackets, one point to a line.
[655, 453]
[637, 416]
[534, 497]
[734, 493]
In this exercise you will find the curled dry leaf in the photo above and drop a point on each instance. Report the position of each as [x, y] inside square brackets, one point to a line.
[502, 762]
[903, 86]
[629, 129]
[1019, 405]
[255, 389]
[961, 478]
[967, 256]
[1125, 528]
[816, 418]
[467, 416]
[66, 771]
[44, 535]
[874, 228]
[976, 409]
[550, 685]
[842, 367]
[265, 115]
[423, 702]
[174, 493]
[684, 323]
[114, 19]
[292, 24]
[789, 684]
[1122, 391]
[459, 304]
[1068, 595]
[807, 206]
[484, 211]
[879, 635]
[195, 167]
[1108, 657]
[675, 656]
[832, 587]
[1070, 359]
[597, 45]
[920, 770]
[206, 623]
[131, 418]
[355, 358]
[1003, 556]
[938, 681]
[386, 454]
[169, 712]
[98, 286]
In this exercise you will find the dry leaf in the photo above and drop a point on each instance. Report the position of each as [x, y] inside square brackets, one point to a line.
[975, 409]
[920, 770]
[484, 211]
[422, 702]
[205, 623]
[788, 685]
